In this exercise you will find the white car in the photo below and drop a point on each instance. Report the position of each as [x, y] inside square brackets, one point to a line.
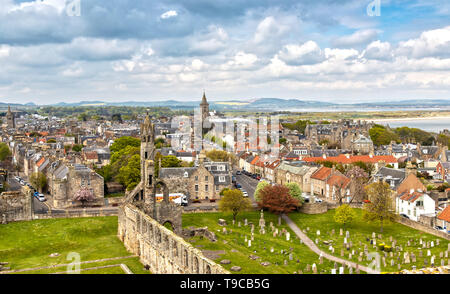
[41, 197]
[245, 194]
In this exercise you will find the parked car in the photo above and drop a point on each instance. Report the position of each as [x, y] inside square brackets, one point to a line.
[404, 215]
[258, 178]
[439, 228]
[238, 172]
[238, 185]
[39, 196]
[318, 200]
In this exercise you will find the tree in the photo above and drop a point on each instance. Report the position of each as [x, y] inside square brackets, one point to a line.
[381, 136]
[261, 185]
[234, 201]
[380, 206]
[39, 181]
[130, 174]
[4, 151]
[277, 200]
[295, 192]
[84, 195]
[77, 147]
[170, 161]
[344, 215]
[359, 179]
[123, 142]
[219, 155]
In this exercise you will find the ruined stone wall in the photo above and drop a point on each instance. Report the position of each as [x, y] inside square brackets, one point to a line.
[15, 206]
[159, 248]
[314, 208]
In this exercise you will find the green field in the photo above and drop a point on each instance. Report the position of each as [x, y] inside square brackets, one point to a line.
[360, 230]
[29, 244]
[236, 241]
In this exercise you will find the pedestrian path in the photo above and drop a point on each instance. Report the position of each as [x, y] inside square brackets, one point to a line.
[308, 242]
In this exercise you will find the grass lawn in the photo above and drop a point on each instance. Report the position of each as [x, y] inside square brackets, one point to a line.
[360, 230]
[29, 244]
[236, 242]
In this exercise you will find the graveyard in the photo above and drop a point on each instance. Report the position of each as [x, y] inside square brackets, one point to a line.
[43, 243]
[277, 250]
[399, 247]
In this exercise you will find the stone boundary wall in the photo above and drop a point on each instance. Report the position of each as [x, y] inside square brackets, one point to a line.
[159, 249]
[15, 206]
[314, 208]
[423, 228]
[72, 213]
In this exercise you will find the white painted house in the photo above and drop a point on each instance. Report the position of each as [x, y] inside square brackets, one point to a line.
[414, 204]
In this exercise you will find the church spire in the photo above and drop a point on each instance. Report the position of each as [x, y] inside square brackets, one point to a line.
[204, 102]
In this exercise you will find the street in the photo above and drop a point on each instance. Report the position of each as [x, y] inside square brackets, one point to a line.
[248, 184]
[39, 207]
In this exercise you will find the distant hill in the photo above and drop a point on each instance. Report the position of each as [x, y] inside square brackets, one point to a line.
[261, 104]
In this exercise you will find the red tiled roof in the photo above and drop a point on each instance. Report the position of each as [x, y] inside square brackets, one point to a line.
[339, 180]
[322, 173]
[91, 155]
[411, 197]
[352, 159]
[40, 162]
[445, 214]
[255, 160]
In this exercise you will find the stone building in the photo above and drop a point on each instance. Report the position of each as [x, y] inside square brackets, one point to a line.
[202, 182]
[10, 119]
[342, 132]
[362, 145]
[295, 173]
[65, 181]
[15, 206]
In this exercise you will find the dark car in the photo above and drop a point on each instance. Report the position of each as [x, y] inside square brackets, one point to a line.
[238, 185]
[254, 176]
[238, 172]
[404, 215]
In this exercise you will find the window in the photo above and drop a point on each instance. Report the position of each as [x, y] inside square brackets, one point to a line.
[217, 188]
[186, 174]
[221, 179]
[196, 178]
[150, 180]
[196, 188]
[206, 188]
[206, 178]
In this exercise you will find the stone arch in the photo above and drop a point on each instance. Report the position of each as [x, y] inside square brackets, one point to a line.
[196, 265]
[186, 258]
[168, 225]
[166, 242]
[175, 248]
[165, 191]
[158, 236]
[208, 269]
[150, 230]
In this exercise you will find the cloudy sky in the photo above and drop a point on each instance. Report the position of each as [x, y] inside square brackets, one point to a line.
[142, 50]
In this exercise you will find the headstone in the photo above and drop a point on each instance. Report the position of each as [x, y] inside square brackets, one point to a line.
[222, 222]
[350, 270]
[341, 232]
[308, 268]
[290, 256]
[271, 249]
[342, 252]
[347, 234]
[235, 268]
[392, 262]
[437, 242]
[428, 252]
[318, 232]
[239, 224]
[321, 259]
[288, 236]
[245, 222]
[333, 271]
[432, 260]
[420, 253]
[345, 240]
[432, 244]
[341, 270]
[249, 243]
[314, 268]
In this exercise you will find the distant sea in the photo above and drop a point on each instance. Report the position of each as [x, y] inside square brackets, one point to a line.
[426, 124]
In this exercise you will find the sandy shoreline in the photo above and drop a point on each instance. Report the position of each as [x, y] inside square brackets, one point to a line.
[408, 118]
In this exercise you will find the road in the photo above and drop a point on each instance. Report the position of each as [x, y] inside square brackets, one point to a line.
[39, 207]
[248, 184]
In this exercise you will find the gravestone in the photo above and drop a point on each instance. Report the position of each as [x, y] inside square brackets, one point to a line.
[350, 270]
[420, 253]
[432, 244]
[428, 252]
[288, 236]
[341, 270]
[249, 243]
[347, 234]
[314, 268]
[318, 232]
[321, 259]
[245, 222]
[392, 262]
[333, 271]
[341, 232]
[239, 224]
[342, 252]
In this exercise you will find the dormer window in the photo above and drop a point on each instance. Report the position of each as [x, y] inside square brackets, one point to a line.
[186, 174]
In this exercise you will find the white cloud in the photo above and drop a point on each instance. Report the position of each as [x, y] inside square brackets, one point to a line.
[307, 53]
[4, 51]
[357, 38]
[268, 29]
[378, 50]
[169, 14]
[430, 43]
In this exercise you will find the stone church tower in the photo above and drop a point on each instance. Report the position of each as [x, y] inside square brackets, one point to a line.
[204, 107]
[10, 120]
[145, 194]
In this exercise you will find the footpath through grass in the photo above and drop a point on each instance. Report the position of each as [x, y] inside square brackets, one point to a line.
[361, 233]
[29, 244]
[235, 249]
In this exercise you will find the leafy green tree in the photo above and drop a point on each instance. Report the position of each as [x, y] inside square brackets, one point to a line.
[234, 201]
[219, 155]
[77, 147]
[296, 192]
[123, 142]
[381, 136]
[4, 151]
[380, 207]
[39, 181]
[170, 161]
[344, 215]
[130, 174]
[261, 185]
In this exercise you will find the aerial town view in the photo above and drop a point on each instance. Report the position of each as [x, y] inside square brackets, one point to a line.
[296, 138]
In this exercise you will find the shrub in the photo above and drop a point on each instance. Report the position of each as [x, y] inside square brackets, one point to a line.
[381, 246]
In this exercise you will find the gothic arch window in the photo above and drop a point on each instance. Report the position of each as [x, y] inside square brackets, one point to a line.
[196, 265]
[208, 269]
